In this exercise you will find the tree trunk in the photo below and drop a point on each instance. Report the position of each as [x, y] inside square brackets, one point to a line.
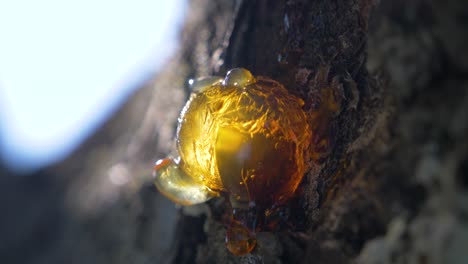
[391, 187]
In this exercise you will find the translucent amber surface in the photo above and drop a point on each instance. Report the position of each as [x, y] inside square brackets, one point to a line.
[239, 239]
[242, 136]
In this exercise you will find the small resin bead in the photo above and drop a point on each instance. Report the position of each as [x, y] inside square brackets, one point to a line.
[239, 239]
[177, 186]
[243, 137]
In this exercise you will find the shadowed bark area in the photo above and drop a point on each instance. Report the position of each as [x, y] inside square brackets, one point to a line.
[390, 185]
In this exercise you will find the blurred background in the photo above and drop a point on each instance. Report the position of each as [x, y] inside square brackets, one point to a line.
[65, 66]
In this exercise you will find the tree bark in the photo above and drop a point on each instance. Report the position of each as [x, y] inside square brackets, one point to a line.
[392, 187]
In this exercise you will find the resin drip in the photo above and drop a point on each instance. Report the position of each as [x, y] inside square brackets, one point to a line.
[243, 137]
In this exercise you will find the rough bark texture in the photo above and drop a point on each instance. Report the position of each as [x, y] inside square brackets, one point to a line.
[393, 187]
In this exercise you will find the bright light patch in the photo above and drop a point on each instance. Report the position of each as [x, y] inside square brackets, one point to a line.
[64, 65]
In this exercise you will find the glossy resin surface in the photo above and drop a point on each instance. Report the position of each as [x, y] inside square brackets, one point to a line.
[243, 137]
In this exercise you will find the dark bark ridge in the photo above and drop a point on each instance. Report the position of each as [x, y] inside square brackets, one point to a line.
[310, 46]
[366, 180]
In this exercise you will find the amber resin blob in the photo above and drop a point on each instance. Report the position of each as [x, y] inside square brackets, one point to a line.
[242, 137]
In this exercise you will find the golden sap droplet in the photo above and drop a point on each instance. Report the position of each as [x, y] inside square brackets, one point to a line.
[238, 77]
[239, 240]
